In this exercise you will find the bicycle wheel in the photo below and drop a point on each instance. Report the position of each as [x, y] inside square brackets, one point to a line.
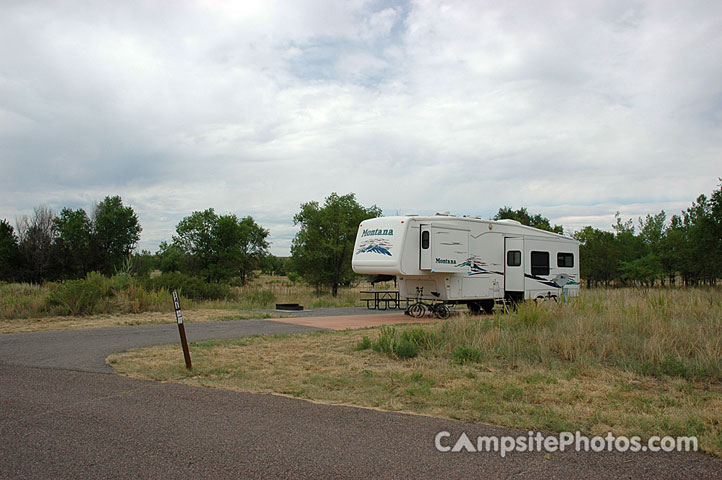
[442, 311]
[417, 310]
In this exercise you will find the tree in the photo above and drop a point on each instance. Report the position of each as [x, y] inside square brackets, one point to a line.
[628, 246]
[322, 248]
[273, 265]
[649, 267]
[238, 247]
[715, 229]
[598, 262]
[194, 239]
[116, 231]
[143, 263]
[9, 253]
[171, 258]
[36, 242]
[525, 218]
[674, 249]
[219, 247]
[74, 233]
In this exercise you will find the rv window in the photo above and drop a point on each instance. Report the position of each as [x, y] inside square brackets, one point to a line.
[425, 239]
[565, 260]
[540, 263]
[513, 258]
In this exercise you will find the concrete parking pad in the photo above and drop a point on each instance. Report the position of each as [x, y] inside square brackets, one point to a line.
[346, 322]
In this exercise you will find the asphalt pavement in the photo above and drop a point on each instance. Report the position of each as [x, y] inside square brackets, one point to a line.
[87, 349]
[64, 415]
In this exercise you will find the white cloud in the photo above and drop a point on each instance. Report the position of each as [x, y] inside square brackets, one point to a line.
[575, 110]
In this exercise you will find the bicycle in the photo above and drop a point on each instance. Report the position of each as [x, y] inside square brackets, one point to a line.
[419, 308]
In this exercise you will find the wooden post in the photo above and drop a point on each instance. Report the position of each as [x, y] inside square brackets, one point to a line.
[182, 330]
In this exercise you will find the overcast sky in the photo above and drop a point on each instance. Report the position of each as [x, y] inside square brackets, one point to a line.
[572, 109]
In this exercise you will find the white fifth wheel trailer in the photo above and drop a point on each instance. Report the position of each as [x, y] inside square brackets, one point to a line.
[467, 260]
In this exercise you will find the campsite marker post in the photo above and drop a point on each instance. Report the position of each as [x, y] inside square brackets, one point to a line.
[182, 330]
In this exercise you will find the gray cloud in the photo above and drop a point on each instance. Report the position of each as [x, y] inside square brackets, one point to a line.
[575, 110]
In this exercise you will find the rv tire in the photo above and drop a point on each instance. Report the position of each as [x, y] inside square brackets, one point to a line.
[487, 306]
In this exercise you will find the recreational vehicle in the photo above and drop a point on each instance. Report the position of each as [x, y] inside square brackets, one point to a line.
[468, 260]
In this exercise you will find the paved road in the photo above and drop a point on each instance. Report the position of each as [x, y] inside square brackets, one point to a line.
[87, 349]
[75, 422]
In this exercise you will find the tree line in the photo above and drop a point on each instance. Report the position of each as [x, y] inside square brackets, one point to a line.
[49, 247]
[657, 250]
[687, 248]
[229, 249]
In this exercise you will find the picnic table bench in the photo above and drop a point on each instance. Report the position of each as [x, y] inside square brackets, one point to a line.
[384, 299]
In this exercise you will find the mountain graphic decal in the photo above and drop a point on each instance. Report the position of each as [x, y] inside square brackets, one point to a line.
[477, 267]
[379, 246]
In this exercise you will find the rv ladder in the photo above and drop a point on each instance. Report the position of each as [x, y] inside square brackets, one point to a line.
[500, 304]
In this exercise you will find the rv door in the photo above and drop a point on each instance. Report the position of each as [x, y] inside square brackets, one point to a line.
[425, 247]
[513, 264]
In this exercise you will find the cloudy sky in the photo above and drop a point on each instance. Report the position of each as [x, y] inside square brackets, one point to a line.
[573, 109]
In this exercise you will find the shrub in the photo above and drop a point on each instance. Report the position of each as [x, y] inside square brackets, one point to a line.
[406, 349]
[670, 366]
[260, 298]
[406, 345]
[77, 297]
[364, 344]
[463, 355]
[419, 337]
[190, 287]
[386, 341]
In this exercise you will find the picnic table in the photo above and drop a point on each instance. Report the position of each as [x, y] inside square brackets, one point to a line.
[384, 299]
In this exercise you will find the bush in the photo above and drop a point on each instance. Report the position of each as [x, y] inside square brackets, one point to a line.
[259, 299]
[190, 287]
[406, 349]
[419, 337]
[386, 341]
[77, 297]
[670, 366]
[364, 344]
[406, 345]
[463, 355]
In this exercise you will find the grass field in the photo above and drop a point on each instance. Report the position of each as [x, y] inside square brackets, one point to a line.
[26, 307]
[633, 362]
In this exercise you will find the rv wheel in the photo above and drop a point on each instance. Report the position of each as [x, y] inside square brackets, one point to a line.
[474, 308]
[487, 306]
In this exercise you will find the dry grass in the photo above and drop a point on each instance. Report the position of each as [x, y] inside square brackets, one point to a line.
[19, 325]
[285, 291]
[630, 362]
[125, 295]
